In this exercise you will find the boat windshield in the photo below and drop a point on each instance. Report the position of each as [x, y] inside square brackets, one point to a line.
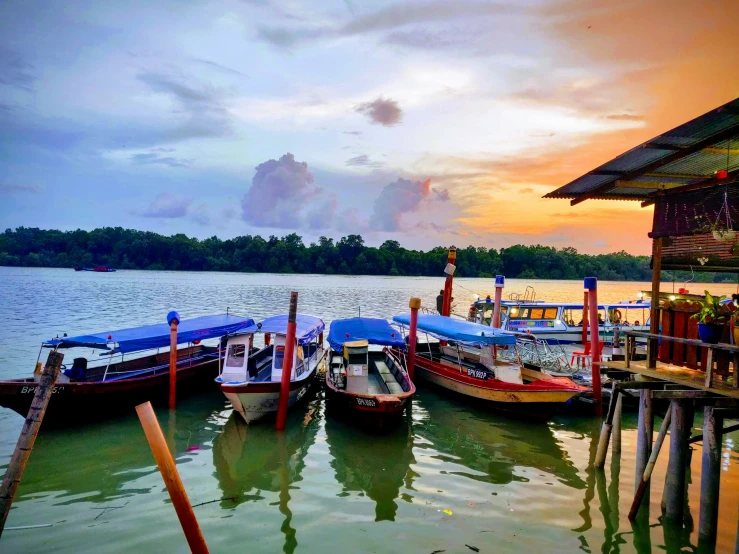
[235, 355]
[279, 357]
[357, 356]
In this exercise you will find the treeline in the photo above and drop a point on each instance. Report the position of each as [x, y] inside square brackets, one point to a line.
[131, 249]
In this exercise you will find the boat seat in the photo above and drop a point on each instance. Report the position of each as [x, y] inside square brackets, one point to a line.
[382, 368]
[373, 386]
[394, 387]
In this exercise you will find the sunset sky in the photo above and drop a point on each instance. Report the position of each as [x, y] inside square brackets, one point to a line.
[428, 122]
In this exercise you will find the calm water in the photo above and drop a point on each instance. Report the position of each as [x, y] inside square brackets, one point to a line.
[450, 476]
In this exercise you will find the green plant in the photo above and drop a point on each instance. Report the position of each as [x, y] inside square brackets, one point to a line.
[712, 310]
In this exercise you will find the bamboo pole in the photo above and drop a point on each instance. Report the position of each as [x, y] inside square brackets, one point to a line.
[173, 318]
[710, 475]
[414, 305]
[27, 438]
[287, 365]
[646, 475]
[171, 478]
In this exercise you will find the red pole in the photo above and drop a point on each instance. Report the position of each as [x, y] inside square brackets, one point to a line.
[173, 318]
[499, 284]
[267, 339]
[585, 319]
[591, 285]
[451, 257]
[287, 366]
[414, 304]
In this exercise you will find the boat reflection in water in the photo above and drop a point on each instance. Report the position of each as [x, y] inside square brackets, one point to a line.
[377, 465]
[249, 459]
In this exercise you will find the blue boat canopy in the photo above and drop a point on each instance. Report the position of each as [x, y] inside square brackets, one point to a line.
[446, 328]
[148, 337]
[308, 327]
[375, 331]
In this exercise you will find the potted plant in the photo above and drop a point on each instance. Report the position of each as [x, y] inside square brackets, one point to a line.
[712, 318]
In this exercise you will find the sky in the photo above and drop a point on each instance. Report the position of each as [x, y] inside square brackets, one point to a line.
[427, 122]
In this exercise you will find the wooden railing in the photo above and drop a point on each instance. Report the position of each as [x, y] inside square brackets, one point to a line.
[708, 354]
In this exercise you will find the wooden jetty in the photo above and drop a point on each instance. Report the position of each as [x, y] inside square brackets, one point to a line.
[695, 194]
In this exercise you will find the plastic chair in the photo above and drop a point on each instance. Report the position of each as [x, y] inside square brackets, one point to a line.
[585, 356]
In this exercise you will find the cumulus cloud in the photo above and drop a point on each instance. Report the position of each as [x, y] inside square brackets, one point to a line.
[381, 111]
[281, 191]
[168, 206]
[397, 198]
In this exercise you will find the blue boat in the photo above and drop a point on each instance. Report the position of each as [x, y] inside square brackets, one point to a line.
[118, 382]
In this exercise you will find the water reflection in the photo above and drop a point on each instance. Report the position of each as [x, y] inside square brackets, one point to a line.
[378, 466]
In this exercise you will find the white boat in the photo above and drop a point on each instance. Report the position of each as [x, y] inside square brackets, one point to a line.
[561, 322]
[251, 377]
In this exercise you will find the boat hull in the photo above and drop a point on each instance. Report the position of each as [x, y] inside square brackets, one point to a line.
[376, 412]
[255, 401]
[75, 403]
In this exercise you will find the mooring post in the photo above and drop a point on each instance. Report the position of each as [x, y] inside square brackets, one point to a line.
[674, 493]
[287, 365]
[171, 478]
[27, 438]
[616, 436]
[710, 475]
[449, 270]
[173, 319]
[605, 433]
[499, 284]
[644, 476]
[645, 431]
[585, 319]
[591, 285]
[414, 305]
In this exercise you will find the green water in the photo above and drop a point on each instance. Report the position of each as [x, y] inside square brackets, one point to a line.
[451, 478]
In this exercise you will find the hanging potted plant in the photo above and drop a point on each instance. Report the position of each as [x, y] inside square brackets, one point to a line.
[712, 318]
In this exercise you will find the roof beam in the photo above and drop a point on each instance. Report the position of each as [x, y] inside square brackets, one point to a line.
[727, 133]
[658, 146]
[660, 185]
[732, 178]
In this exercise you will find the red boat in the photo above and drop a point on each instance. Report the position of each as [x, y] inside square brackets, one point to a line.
[370, 388]
[83, 394]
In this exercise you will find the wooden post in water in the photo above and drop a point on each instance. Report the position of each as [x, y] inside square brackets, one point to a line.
[585, 319]
[591, 285]
[674, 493]
[499, 284]
[644, 477]
[287, 364]
[605, 433]
[414, 305]
[710, 476]
[616, 437]
[24, 446]
[171, 478]
[173, 318]
[645, 431]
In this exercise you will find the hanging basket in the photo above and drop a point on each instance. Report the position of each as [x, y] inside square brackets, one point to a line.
[727, 235]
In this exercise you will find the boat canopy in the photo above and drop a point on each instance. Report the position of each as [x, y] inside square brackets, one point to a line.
[148, 337]
[374, 331]
[443, 327]
[308, 327]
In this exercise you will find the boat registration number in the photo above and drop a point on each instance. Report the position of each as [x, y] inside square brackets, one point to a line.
[477, 373]
[370, 402]
[31, 390]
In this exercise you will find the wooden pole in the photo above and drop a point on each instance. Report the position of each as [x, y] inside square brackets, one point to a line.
[499, 284]
[27, 438]
[616, 437]
[710, 475]
[591, 285]
[414, 305]
[585, 319]
[654, 307]
[605, 433]
[645, 476]
[645, 431]
[674, 493]
[287, 365]
[171, 478]
[173, 318]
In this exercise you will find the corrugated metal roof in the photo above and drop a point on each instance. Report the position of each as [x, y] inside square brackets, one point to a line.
[686, 155]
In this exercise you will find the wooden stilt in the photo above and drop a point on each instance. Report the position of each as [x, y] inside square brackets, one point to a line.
[645, 430]
[616, 437]
[171, 478]
[674, 493]
[605, 433]
[710, 475]
[27, 438]
[646, 475]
